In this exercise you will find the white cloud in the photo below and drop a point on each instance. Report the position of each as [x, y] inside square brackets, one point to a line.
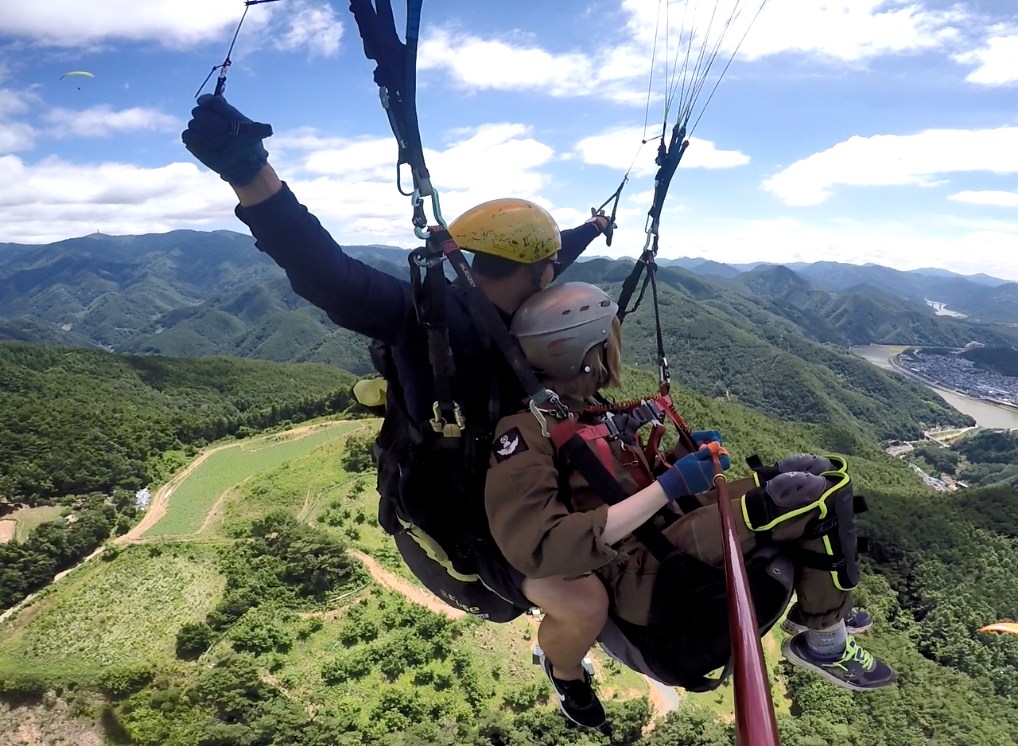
[501, 154]
[314, 28]
[14, 102]
[102, 121]
[850, 30]
[906, 244]
[15, 136]
[350, 182]
[476, 63]
[987, 197]
[53, 199]
[71, 23]
[996, 63]
[885, 160]
[620, 148]
[838, 30]
[353, 160]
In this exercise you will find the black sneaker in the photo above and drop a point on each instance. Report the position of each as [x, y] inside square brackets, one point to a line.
[855, 669]
[856, 621]
[576, 699]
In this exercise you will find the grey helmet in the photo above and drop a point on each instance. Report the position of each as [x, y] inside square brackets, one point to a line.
[558, 326]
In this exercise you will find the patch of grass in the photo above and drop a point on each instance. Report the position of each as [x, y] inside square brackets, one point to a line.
[311, 487]
[120, 612]
[191, 501]
[499, 671]
[30, 518]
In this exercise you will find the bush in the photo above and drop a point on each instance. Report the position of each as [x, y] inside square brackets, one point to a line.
[359, 454]
[193, 639]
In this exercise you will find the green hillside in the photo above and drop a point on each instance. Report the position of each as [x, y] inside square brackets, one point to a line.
[259, 627]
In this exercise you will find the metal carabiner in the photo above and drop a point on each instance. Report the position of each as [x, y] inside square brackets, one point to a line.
[420, 219]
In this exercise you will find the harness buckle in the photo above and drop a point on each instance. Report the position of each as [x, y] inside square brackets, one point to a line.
[613, 429]
[561, 411]
[445, 428]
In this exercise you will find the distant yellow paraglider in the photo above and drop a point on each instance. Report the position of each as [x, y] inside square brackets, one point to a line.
[77, 74]
[1010, 628]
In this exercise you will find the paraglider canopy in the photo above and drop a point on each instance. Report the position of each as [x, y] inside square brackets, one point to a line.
[1010, 628]
[77, 74]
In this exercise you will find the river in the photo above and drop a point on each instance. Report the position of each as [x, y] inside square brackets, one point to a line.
[984, 413]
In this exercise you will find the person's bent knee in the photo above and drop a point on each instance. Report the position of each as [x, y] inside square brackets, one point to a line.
[581, 599]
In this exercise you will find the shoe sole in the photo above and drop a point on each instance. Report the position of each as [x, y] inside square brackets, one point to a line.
[793, 658]
[793, 629]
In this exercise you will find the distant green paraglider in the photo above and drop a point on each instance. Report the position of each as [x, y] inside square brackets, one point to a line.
[77, 74]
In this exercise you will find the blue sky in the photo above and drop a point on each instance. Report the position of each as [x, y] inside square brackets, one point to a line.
[848, 130]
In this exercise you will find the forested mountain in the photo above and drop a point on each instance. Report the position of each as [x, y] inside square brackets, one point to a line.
[76, 421]
[722, 343]
[192, 294]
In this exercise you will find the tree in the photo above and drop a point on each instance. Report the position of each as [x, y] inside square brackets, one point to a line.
[193, 639]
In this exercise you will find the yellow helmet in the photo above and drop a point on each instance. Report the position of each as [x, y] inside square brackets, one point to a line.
[512, 229]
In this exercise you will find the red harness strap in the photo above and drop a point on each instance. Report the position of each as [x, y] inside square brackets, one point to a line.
[599, 435]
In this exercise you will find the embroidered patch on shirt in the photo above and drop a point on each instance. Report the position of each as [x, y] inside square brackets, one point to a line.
[509, 445]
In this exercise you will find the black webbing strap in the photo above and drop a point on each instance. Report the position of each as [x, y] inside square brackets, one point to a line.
[667, 160]
[486, 315]
[646, 261]
[429, 295]
[580, 457]
[396, 76]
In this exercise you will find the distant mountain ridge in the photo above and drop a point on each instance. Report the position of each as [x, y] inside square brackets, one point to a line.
[768, 338]
[979, 296]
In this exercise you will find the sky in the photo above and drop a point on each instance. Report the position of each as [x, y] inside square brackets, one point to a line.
[845, 130]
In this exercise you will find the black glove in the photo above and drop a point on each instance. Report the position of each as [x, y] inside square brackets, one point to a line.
[225, 140]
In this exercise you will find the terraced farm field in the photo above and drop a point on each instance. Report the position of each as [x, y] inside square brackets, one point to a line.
[226, 468]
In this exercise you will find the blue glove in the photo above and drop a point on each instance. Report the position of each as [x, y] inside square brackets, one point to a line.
[225, 140]
[692, 474]
[701, 437]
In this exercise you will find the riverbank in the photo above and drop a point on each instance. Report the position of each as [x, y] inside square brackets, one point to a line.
[987, 414]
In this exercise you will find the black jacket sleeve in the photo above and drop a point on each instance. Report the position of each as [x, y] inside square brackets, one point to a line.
[355, 296]
[574, 241]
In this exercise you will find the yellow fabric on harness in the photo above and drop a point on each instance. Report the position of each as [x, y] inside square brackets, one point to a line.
[435, 552]
[370, 392]
[823, 511]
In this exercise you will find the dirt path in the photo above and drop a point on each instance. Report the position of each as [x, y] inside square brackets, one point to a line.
[412, 592]
[8, 528]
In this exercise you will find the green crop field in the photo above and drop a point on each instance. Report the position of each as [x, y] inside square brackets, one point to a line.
[192, 499]
[117, 612]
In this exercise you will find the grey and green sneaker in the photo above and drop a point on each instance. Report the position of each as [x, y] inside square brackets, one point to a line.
[856, 669]
[856, 621]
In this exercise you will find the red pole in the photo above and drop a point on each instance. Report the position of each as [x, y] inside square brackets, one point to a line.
[755, 724]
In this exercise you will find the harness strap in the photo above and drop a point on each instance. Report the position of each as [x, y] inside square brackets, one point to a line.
[487, 316]
[430, 301]
[396, 76]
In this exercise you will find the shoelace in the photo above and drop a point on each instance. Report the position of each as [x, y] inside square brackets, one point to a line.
[854, 652]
